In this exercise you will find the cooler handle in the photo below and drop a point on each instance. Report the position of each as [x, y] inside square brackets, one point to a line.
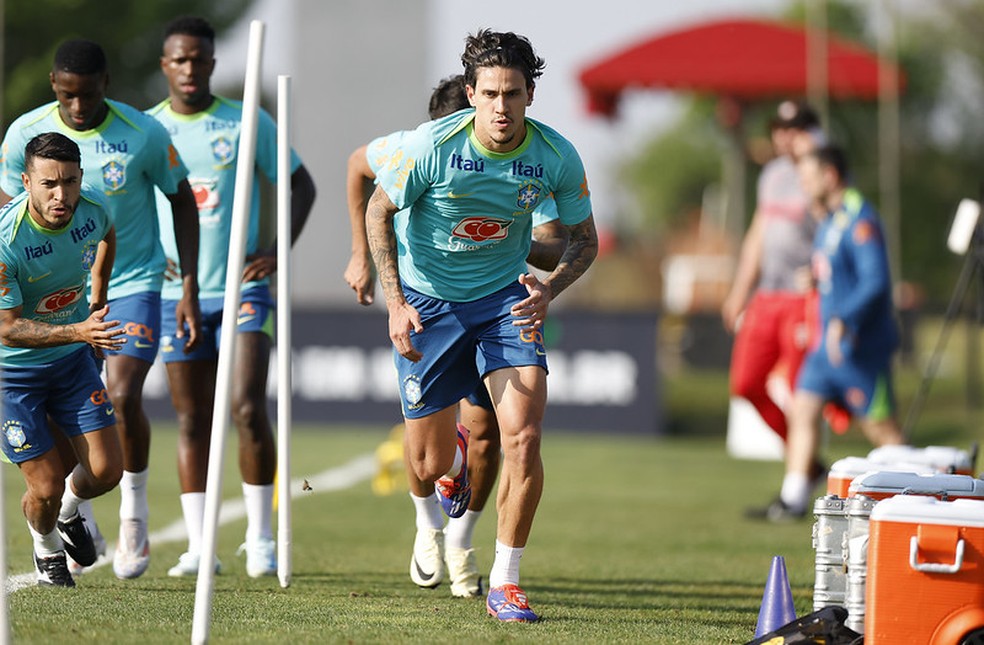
[933, 567]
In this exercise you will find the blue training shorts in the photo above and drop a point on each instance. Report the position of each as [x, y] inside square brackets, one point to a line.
[140, 316]
[256, 313]
[461, 343]
[69, 390]
[862, 382]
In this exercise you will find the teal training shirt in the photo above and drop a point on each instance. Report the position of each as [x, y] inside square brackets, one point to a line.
[45, 271]
[124, 157]
[380, 151]
[208, 143]
[470, 210]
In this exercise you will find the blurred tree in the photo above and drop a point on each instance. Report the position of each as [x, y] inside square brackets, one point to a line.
[130, 33]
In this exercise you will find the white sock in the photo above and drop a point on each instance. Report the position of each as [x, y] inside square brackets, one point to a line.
[458, 532]
[505, 567]
[133, 496]
[47, 544]
[259, 511]
[69, 501]
[89, 515]
[428, 512]
[193, 509]
[796, 491]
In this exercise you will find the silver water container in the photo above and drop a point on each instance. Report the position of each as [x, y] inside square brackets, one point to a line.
[830, 583]
[855, 550]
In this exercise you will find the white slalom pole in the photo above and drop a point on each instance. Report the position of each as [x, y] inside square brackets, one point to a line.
[246, 159]
[284, 381]
[4, 609]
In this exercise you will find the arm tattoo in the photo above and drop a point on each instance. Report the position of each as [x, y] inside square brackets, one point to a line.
[23, 332]
[582, 247]
[382, 244]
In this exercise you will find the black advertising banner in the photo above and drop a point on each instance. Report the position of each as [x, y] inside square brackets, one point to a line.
[603, 374]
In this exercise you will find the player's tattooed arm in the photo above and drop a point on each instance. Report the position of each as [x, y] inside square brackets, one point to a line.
[403, 318]
[17, 331]
[382, 244]
[582, 247]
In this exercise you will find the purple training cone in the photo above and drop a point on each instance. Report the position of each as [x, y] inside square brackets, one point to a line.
[777, 601]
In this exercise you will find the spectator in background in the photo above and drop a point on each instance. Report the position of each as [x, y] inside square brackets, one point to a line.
[851, 361]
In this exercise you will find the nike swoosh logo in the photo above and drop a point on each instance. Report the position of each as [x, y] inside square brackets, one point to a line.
[141, 345]
[454, 195]
[40, 277]
[420, 572]
[244, 319]
[109, 411]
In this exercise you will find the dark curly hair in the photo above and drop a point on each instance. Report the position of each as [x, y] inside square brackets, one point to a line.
[490, 48]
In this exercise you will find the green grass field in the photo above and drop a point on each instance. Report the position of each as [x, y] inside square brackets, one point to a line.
[637, 539]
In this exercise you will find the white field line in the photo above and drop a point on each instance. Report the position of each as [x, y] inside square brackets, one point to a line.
[341, 477]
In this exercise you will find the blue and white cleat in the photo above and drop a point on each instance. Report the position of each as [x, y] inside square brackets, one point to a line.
[455, 494]
[509, 604]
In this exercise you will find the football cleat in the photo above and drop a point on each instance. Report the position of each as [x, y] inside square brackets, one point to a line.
[53, 571]
[455, 493]
[188, 565]
[132, 555]
[78, 542]
[463, 573]
[777, 511]
[509, 604]
[261, 557]
[427, 562]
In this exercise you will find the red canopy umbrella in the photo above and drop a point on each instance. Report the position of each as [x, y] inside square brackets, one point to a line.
[744, 59]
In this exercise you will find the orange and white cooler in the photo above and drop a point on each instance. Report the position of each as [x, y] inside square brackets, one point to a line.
[926, 572]
[843, 471]
[864, 492]
[942, 459]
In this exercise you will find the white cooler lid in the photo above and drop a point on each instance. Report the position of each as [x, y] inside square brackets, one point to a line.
[917, 483]
[940, 458]
[919, 509]
[854, 466]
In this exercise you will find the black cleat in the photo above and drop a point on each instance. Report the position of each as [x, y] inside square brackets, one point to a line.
[777, 511]
[78, 541]
[53, 571]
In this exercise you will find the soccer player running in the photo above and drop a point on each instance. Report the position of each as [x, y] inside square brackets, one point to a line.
[475, 411]
[457, 313]
[54, 234]
[125, 154]
[206, 130]
[851, 363]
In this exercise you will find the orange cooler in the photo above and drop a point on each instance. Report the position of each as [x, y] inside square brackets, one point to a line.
[925, 572]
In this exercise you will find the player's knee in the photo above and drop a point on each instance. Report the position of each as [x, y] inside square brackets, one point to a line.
[194, 425]
[126, 400]
[45, 493]
[107, 474]
[248, 413]
[484, 448]
[523, 444]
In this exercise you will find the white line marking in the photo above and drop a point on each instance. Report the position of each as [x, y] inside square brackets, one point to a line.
[341, 477]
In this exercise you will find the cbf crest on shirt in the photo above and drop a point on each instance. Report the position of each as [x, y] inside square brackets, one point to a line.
[45, 272]
[470, 209]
